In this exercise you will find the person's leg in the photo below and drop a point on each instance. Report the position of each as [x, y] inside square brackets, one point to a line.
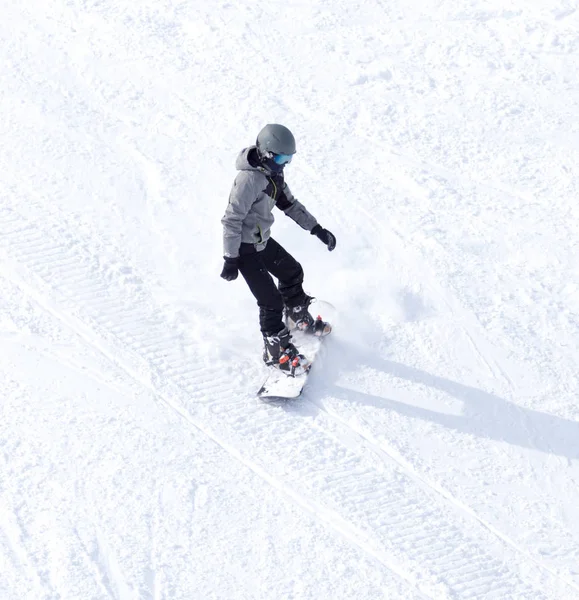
[290, 277]
[288, 271]
[278, 349]
[253, 269]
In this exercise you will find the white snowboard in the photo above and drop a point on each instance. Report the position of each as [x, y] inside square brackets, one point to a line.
[278, 385]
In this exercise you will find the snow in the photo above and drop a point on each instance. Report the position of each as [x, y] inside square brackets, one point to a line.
[435, 451]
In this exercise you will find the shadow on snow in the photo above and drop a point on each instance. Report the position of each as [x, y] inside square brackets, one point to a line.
[484, 415]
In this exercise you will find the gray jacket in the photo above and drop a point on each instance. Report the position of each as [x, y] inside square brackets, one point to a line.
[248, 217]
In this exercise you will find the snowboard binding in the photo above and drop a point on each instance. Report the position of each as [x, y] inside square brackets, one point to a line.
[299, 318]
[281, 354]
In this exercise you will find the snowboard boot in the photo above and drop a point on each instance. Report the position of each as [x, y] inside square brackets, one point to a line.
[299, 317]
[280, 353]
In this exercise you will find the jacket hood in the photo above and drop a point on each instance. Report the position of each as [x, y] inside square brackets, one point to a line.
[248, 160]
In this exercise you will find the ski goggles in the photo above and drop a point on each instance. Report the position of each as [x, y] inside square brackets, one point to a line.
[282, 159]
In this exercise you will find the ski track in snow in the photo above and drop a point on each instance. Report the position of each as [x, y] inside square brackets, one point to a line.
[134, 87]
[410, 526]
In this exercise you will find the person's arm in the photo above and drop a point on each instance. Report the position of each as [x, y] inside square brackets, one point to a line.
[243, 195]
[294, 209]
[299, 213]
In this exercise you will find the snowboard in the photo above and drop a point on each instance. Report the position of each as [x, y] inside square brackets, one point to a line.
[278, 385]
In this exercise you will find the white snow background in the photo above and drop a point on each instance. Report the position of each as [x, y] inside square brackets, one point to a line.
[435, 451]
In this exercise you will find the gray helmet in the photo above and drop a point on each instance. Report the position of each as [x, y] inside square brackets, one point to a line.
[277, 139]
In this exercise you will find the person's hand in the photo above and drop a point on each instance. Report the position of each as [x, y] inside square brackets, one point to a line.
[327, 237]
[230, 268]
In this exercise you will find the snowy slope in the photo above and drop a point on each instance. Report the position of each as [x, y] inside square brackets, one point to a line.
[435, 452]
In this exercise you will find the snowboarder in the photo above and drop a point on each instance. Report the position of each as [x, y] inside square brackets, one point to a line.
[249, 249]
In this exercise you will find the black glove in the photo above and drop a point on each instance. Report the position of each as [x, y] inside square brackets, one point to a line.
[230, 268]
[325, 236]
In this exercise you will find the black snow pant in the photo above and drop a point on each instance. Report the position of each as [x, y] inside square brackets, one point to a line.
[257, 269]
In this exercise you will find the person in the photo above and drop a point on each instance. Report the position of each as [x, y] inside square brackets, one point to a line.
[250, 250]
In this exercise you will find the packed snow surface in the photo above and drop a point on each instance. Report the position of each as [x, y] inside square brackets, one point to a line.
[434, 453]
